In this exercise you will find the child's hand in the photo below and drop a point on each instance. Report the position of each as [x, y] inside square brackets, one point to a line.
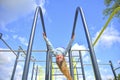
[44, 35]
[73, 36]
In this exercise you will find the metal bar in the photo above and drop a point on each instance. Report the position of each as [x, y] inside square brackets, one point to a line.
[22, 50]
[36, 73]
[0, 35]
[25, 54]
[32, 61]
[63, 75]
[50, 66]
[71, 64]
[117, 68]
[47, 66]
[29, 49]
[106, 24]
[15, 65]
[111, 65]
[98, 64]
[33, 51]
[77, 73]
[42, 20]
[9, 47]
[82, 66]
[74, 24]
[92, 54]
[33, 70]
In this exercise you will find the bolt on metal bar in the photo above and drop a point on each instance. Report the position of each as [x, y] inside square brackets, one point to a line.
[15, 65]
[9, 47]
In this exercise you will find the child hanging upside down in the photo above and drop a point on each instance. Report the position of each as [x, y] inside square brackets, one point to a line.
[59, 54]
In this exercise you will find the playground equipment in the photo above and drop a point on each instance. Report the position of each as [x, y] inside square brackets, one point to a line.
[105, 26]
[49, 61]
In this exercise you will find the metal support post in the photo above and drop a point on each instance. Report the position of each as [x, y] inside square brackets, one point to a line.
[82, 66]
[36, 73]
[15, 65]
[29, 49]
[92, 53]
[50, 66]
[71, 64]
[111, 65]
[33, 70]
[47, 66]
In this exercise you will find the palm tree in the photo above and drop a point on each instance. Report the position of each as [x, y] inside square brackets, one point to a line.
[111, 5]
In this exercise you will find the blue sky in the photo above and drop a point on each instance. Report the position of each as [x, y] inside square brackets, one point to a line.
[16, 18]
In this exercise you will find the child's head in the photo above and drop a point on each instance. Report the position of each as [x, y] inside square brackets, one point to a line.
[60, 50]
[59, 57]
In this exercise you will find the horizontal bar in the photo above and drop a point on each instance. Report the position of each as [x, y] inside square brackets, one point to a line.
[63, 75]
[117, 68]
[22, 50]
[34, 50]
[31, 60]
[99, 64]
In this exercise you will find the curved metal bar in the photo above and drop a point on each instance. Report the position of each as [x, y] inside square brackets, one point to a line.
[31, 39]
[92, 54]
[42, 20]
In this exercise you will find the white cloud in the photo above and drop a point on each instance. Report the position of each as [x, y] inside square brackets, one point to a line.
[23, 41]
[109, 37]
[15, 36]
[12, 10]
[76, 46]
[6, 57]
[7, 60]
[106, 73]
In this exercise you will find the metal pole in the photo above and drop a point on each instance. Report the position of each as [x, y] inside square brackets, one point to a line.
[15, 65]
[33, 70]
[9, 47]
[92, 54]
[28, 56]
[117, 68]
[81, 62]
[0, 35]
[77, 73]
[47, 66]
[36, 73]
[71, 64]
[111, 65]
[50, 66]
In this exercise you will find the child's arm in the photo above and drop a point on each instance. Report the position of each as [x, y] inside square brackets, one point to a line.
[50, 46]
[69, 45]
